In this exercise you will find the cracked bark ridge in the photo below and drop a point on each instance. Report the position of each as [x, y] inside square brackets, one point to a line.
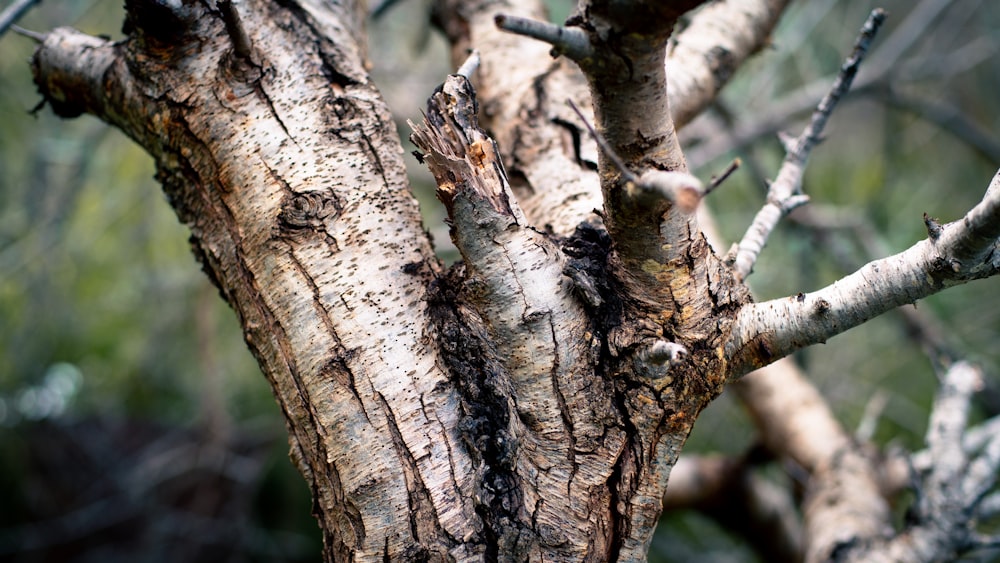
[541, 417]
[287, 169]
[588, 428]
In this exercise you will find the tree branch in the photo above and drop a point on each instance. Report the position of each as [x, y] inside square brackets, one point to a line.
[14, 12]
[550, 404]
[843, 503]
[964, 251]
[951, 489]
[569, 41]
[785, 193]
[550, 161]
[288, 172]
[712, 47]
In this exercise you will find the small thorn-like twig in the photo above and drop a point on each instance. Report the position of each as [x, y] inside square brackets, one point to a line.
[716, 181]
[13, 13]
[785, 193]
[242, 46]
[470, 65]
[627, 174]
[38, 37]
[680, 188]
[570, 41]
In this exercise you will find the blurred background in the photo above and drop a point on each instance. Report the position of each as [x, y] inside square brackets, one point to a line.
[135, 425]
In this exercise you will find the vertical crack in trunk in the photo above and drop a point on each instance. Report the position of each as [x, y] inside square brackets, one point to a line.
[424, 519]
[484, 388]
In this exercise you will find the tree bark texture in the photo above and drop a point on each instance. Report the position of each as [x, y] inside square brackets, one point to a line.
[529, 403]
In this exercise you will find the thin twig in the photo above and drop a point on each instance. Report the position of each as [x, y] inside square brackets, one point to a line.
[470, 65]
[14, 12]
[38, 37]
[680, 188]
[627, 174]
[785, 194]
[716, 181]
[570, 41]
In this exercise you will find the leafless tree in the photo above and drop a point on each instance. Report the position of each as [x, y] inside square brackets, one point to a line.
[530, 402]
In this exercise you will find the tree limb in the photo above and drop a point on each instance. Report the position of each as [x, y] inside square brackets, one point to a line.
[712, 47]
[552, 400]
[287, 168]
[950, 490]
[14, 12]
[961, 252]
[785, 193]
[843, 501]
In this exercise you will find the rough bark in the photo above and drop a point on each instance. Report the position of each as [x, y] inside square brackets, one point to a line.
[286, 168]
[530, 402]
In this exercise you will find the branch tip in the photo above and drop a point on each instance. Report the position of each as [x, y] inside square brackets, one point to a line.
[570, 41]
[37, 37]
[785, 194]
[716, 181]
[470, 65]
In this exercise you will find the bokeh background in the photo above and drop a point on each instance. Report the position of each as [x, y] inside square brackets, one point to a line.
[135, 426]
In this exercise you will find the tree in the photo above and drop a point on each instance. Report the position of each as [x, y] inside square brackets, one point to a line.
[532, 401]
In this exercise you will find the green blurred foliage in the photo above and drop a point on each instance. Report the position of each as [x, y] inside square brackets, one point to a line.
[108, 328]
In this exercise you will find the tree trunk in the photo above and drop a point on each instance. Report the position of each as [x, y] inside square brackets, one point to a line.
[530, 402]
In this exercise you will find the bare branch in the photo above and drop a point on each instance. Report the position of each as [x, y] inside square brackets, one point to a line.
[878, 79]
[731, 492]
[514, 274]
[242, 46]
[708, 52]
[14, 12]
[785, 192]
[557, 186]
[950, 490]
[609, 152]
[963, 252]
[678, 188]
[842, 503]
[470, 65]
[570, 41]
[717, 181]
[38, 37]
